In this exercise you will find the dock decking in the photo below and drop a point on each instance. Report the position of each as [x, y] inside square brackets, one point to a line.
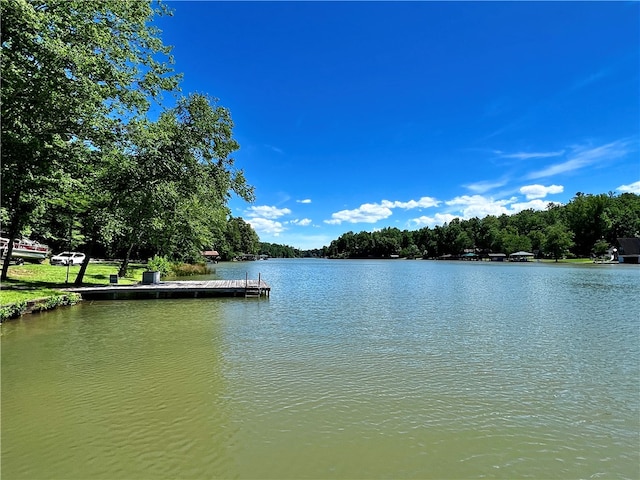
[176, 289]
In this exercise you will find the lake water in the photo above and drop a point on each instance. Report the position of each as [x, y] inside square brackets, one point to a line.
[351, 369]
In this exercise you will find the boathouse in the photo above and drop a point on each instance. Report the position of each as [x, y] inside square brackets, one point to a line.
[629, 251]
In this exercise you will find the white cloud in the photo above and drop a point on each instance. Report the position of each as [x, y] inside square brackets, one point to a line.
[540, 191]
[266, 226]
[582, 157]
[304, 222]
[536, 204]
[631, 188]
[306, 200]
[424, 202]
[470, 206]
[366, 213]
[265, 211]
[479, 206]
[372, 212]
[437, 219]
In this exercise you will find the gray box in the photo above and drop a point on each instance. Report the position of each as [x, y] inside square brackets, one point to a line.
[150, 278]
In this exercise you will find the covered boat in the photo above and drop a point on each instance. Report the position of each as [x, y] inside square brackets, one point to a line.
[25, 250]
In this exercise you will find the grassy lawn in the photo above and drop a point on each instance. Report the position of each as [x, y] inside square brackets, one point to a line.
[33, 281]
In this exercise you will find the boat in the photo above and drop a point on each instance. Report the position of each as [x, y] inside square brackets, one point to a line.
[25, 250]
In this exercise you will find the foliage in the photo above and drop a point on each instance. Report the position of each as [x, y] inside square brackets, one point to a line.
[558, 240]
[174, 178]
[559, 231]
[600, 247]
[12, 310]
[188, 269]
[49, 303]
[159, 264]
[239, 238]
[278, 251]
[72, 72]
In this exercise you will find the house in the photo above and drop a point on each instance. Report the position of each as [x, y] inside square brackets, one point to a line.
[521, 256]
[211, 255]
[629, 250]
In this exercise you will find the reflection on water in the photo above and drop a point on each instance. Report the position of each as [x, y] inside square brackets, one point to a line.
[352, 369]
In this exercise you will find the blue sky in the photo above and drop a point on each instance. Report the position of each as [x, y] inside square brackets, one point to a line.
[363, 115]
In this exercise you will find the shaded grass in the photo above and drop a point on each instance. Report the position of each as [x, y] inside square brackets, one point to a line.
[34, 281]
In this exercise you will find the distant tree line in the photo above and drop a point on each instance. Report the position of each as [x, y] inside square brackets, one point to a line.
[587, 225]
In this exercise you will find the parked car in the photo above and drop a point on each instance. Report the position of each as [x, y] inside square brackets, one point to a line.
[67, 258]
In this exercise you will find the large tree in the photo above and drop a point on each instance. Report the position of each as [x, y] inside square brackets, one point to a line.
[172, 179]
[72, 70]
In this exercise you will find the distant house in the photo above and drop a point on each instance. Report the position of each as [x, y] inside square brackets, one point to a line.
[521, 256]
[629, 251]
[211, 255]
[497, 257]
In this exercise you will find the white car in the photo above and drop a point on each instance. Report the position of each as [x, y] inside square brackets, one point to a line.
[67, 258]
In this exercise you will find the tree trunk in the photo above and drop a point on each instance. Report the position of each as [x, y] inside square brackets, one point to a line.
[14, 229]
[85, 264]
[125, 263]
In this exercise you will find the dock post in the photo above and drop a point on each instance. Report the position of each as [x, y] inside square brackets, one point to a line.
[259, 286]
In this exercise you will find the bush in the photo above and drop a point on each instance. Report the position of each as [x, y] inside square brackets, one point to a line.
[159, 264]
[57, 301]
[187, 269]
[12, 311]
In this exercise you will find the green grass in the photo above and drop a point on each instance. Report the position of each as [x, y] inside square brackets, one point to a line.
[34, 281]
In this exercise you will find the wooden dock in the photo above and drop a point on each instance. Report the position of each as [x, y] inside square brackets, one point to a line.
[176, 289]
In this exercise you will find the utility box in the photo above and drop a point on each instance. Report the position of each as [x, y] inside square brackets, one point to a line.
[150, 278]
[113, 279]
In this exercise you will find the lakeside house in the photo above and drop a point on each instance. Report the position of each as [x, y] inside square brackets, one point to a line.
[211, 255]
[629, 251]
[521, 256]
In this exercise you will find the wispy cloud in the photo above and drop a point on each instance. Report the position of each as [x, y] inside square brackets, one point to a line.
[631, 188]
[485, 186]
[275, 149]
[373, 212]
[529, 155]
[589, 79]
[306, 200]
[582, 157]
[540, 191]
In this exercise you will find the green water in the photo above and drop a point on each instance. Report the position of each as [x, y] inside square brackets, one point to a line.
[352, 369]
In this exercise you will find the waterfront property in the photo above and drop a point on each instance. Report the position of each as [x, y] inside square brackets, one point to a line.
[629, 251]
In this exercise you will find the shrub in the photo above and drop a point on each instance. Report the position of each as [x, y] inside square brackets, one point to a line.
[13, 310]
[159, 264]
[187, 269]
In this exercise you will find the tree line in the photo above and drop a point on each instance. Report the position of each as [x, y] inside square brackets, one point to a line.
[86, 162]
[588, 225]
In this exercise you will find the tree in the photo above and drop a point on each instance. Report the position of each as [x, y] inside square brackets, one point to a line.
[558, 240]
[240, 237]
[174, 178]
[71, 71]
[586, 218]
